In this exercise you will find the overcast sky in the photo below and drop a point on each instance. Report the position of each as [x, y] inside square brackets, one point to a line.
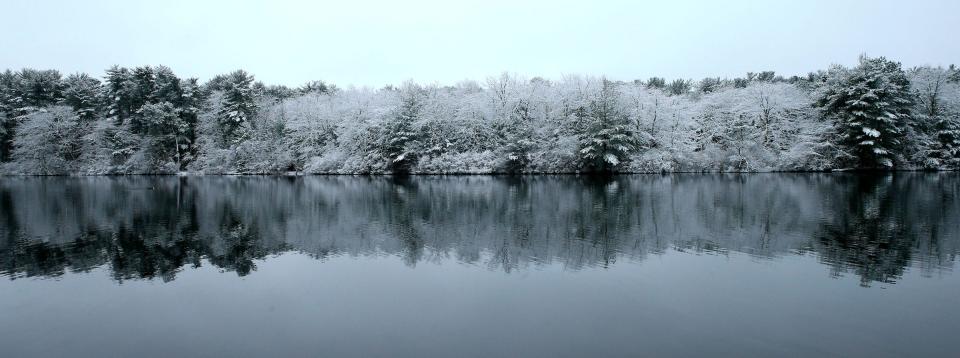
[381, 42]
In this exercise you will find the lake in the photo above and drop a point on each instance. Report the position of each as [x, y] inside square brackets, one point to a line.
[481, 266]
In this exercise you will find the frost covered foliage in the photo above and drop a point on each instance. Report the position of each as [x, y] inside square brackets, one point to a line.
[606, 141]
[872, 104]
[48, 142]
[148, 120]
[937, 117]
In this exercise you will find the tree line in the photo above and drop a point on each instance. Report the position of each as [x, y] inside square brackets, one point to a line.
[140, 120]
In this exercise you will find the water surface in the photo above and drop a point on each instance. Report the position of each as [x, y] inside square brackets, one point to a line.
[680, 265]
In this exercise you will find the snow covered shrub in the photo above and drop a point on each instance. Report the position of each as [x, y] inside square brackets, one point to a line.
[47, 142]
[935, 134]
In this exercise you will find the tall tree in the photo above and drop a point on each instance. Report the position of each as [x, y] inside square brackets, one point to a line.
[81, 92]
[238, 104]
[871, 104]
[399, 147]
[7, 117]
[607, 141]
[119, 94]
[35, 88]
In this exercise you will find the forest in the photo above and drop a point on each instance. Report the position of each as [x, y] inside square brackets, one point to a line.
[147, 120]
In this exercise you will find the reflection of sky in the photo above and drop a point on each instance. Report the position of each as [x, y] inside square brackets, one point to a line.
[674, 304]
[364, 42]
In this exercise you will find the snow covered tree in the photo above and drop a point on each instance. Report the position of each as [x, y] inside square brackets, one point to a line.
[607, 141]
[37, 89]
[317, 87]
[944, 151]
[47, 142]
[81, 92]
[871, 104]
[166, 86]
[7, 116]
[679, 87]
[119, 92]
[656, 82]
[238, 104]
[519, 141]
[189, 105]
[400, 144]
[936, 137]
[164, 133]
[21, 93]
[709, 84]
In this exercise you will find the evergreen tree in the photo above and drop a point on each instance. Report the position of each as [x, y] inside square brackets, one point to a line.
[678, 87]
[145, 80]
[766, 76]
[317, 87]
[166, 86]
[871, 104]
[708, 85]
[37, 89]
[399, 147]
[22, 93]
[280, 93]
[607, 141]
[81, 92]
[656, 82]
[7, 116]
[188, 109]
[119, 94]
[7, 83]
[238, 104]
[519, 140]
[945, 149]
[162, 135]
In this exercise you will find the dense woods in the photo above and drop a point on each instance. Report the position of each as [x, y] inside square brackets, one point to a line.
[141, 120]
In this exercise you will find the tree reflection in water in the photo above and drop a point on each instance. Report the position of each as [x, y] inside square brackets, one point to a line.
[874, 226]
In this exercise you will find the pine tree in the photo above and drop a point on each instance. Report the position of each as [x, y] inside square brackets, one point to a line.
[119, 92]
[238, 104]
[7, 79]
[945, 149]
[656, 82]
[871, 104]
[161, 123]
[80, 92]
[37, 89]
[678, 87]
[399, 148]
[190, 102]
[319, 87]
[166, 86]
[22, 93]
[518, 137]
[7, 116]
[607, 141]
[145, 80]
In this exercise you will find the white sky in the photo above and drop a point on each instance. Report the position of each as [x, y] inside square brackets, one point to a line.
[382, 42]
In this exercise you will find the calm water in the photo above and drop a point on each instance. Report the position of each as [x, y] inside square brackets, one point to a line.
[684, 265]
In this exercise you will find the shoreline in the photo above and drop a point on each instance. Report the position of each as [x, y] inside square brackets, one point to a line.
[503, 174]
